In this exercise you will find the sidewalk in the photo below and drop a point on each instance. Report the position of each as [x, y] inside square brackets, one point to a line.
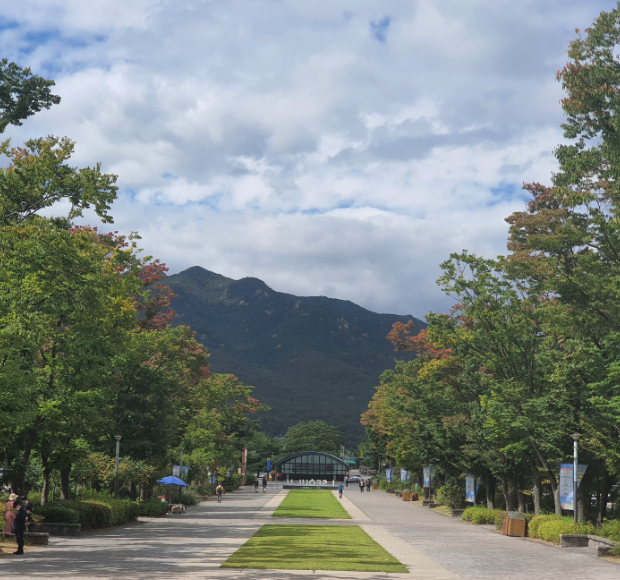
[192, 546]
[475, 552]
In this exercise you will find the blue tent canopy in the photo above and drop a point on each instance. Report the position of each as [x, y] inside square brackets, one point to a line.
[171, 480]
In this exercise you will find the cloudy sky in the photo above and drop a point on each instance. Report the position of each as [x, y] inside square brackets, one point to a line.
[341, 148]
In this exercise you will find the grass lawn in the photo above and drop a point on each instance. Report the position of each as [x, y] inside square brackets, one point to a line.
[311, 503]
[314, 548]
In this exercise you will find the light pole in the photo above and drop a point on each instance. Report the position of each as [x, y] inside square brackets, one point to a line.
[180, 471]
[575, 436]
[118, 448]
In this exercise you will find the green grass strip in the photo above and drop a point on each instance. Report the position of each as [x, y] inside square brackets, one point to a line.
[313, 548]
[311, 503]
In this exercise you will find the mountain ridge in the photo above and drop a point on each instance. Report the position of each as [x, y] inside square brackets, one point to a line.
[308, 357]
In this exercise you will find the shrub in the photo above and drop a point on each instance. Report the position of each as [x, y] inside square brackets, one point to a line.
[250, 479]
[189, 497]
[59, 512]
[152, 508]
[35, 498]
[549, 528]
[479, 515]
[500, 516]
[610, 529]
[118, 511]
[383, 483]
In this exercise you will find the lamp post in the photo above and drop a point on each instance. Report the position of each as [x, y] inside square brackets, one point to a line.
[118, 448]
[180, 471]
[575, 436]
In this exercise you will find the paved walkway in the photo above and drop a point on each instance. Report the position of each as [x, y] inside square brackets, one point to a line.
[193, 546]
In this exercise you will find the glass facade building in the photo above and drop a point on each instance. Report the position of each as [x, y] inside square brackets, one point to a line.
[311, 465]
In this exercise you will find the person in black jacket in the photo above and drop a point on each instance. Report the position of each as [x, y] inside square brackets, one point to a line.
[19, 525]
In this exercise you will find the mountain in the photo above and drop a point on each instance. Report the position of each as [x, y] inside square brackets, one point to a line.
[308, 357]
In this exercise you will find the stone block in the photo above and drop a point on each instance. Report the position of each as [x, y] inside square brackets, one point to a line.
[457, 513]
[30, 538]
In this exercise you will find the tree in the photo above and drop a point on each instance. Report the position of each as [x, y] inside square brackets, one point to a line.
[313, 436]
[22, 94]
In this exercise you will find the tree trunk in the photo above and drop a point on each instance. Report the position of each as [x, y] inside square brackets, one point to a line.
[537, 493]
[133, 491]
[64, 482]
[556, 498]
[604, 496]
[490, 489]
[45, 490]
[509, 496]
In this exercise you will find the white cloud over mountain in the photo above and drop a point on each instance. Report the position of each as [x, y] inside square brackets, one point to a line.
[339, 148]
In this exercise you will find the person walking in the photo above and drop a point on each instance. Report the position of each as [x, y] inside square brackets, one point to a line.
[264, 483]
[256, 484]
[362, 485]
[346, 481]
[368, 484]
[340, 490]
[19, 525]
[218, 491]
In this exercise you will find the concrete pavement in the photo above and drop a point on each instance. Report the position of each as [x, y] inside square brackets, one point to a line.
[193, 546]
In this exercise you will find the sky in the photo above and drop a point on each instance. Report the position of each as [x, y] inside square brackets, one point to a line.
[336, 148]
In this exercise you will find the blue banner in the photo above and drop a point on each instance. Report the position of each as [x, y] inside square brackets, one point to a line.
[470, 488]
[427, 476]
[388, 475]
[567, 497]
[268, 464]
[404, 475]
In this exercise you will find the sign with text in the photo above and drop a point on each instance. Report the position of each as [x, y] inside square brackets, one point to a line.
[470, 488]
[388, 475]
[427, 476]
[404, 475]
[567, 496]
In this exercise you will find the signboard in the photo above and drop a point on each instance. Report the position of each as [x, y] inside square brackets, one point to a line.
[176, 470]
[268, 464]
[388, 475]
[470, 488]
[404, 475]
[427, 476]
[567, 497]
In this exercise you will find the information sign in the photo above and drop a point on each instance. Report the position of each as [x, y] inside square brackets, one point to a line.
[388, 475]
[404, 475]
[470, 488]
[567, 497]
[427, 476]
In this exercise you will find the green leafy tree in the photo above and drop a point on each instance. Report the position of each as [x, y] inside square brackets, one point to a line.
[313, 436]
[22, 94]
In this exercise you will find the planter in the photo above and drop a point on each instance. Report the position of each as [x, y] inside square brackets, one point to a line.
[56, 529]
[30, 539]
[406, 496]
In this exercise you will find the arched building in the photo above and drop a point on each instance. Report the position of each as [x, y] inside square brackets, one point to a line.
[311, 465]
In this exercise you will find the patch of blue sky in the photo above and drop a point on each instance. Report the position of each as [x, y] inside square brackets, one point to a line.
[379, 28]
[505, 192]
[8, 25]
[168, 175]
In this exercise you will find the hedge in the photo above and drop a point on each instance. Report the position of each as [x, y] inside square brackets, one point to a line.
[92, 514]
[482, 515]
[549, 528]
[611, 530]
[153, 508]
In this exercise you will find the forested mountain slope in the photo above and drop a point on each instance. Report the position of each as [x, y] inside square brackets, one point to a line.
[308, 357]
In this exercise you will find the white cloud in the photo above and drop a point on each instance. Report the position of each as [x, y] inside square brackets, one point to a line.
[284, 140]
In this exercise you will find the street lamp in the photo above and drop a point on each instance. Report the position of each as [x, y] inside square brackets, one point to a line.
[180, 471]
[118, 447]
[575, 436]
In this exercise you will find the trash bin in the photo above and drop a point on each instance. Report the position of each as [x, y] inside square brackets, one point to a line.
[406, 495]
[514, 525]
